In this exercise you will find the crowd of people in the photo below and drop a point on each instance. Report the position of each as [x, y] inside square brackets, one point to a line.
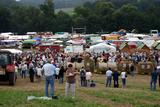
[54, 66]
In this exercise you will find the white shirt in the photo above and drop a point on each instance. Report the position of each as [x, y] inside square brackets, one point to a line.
[39, 71]
[108, 73]
[123, 75]
[24, 67]
[57, 71]
[88, 75]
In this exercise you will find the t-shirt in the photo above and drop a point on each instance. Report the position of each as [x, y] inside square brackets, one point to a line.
[108, 73]
[57, 71]
[88, 75]
[39, 71]
[123, 75]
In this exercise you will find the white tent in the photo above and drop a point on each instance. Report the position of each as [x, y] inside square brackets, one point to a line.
[102, 47]
[58, 41]
[77, 41]
[14, 51]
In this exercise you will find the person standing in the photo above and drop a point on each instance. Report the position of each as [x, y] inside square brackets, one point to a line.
[61, 75]
[109, 77]
[123, 76]
[49, 73]
[115, 78]
[132, 70]
[88, 78]
[70, 81]
[39, 72]
[24, 70]
[83, 77]
[158, 71]
[153, 81]
[57, 72]
[31, 72]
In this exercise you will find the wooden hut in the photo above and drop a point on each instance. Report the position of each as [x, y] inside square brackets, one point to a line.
[124, 47]
[143, 47]
[157, 46]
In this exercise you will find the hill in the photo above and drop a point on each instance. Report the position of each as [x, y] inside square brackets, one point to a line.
[58, 3]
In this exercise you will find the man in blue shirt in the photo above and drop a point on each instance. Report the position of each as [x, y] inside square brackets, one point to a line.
[49, 72]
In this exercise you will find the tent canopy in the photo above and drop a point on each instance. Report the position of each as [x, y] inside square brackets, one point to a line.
[102, 47]
[58, 41]
[14, 51]
[29, 41]
[37, 38]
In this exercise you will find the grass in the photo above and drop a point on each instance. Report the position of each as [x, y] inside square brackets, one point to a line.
[19, 99]
[137, 94]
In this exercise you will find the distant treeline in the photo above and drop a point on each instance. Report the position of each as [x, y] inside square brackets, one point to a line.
[102, 15]
[58, 3]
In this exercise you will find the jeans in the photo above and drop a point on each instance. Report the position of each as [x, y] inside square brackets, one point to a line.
[153, 85]
[108, 81]
[116, 84]
[49, 80]
[23, 74]
[70, 87]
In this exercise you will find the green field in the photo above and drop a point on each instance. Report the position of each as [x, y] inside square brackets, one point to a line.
[136, 94]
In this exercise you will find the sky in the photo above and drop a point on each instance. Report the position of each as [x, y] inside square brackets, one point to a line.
[17, 0]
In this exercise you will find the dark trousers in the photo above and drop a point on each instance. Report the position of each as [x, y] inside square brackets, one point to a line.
[159, 80]
[123, 82]
[83, 81]
[116, 84]
[31, 75]
[61, 79]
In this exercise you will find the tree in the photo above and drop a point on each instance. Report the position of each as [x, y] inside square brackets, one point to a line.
[48, 20]
[126, 17]
[48, 8]
[63, 22]
[104, 8]
[5, 18]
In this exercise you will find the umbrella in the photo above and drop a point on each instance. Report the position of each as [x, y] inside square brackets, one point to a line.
[29, 41]
[37, 38]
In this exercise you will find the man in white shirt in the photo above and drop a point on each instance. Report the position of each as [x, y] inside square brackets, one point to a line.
[109, 77]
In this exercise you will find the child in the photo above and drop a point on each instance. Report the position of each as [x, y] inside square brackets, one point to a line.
[92, 84]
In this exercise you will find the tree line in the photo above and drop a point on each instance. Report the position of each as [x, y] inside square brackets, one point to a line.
[102, 15]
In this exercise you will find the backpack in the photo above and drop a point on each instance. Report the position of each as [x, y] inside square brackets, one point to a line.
[82, 73]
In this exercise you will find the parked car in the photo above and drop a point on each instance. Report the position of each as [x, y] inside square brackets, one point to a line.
[7, 67]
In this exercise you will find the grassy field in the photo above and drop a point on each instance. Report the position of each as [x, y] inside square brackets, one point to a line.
[136, 94]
